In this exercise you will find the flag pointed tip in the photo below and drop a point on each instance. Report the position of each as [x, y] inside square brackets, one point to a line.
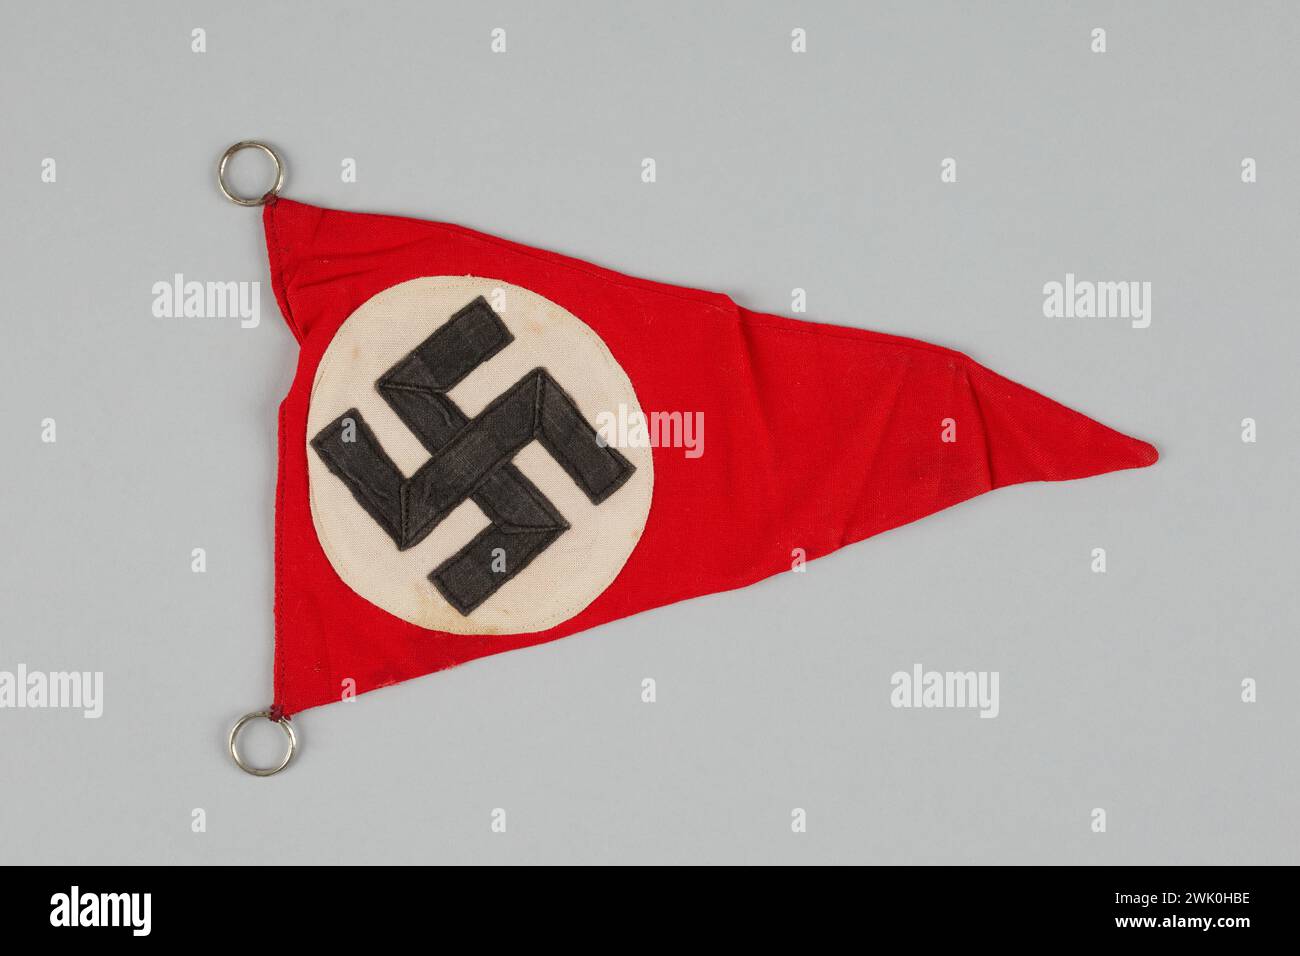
[1117, 452]
[1102, 450]
[1030, 437]
[1148, 454]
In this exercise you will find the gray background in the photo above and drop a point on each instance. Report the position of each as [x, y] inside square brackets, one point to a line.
[775, 171]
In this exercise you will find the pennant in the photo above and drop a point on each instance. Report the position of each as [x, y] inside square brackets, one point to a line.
[487, 446]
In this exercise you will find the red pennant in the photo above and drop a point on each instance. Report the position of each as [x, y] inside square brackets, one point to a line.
[815, 436]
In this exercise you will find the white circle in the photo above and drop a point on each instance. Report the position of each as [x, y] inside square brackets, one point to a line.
[580, 564]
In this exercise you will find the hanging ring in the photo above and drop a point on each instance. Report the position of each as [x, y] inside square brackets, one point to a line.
[262, 771]
[270, 193]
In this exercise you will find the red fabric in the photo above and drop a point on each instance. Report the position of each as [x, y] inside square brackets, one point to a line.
[816, 436]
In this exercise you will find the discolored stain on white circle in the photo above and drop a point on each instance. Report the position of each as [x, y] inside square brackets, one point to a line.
[580, 564]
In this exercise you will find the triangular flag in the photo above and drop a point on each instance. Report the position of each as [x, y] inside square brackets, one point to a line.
[488, 446]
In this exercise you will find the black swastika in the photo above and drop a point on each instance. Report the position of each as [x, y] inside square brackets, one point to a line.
[471, 458]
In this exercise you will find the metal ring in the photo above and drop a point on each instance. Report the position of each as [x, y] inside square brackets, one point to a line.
[260, 771]
[279, 173]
